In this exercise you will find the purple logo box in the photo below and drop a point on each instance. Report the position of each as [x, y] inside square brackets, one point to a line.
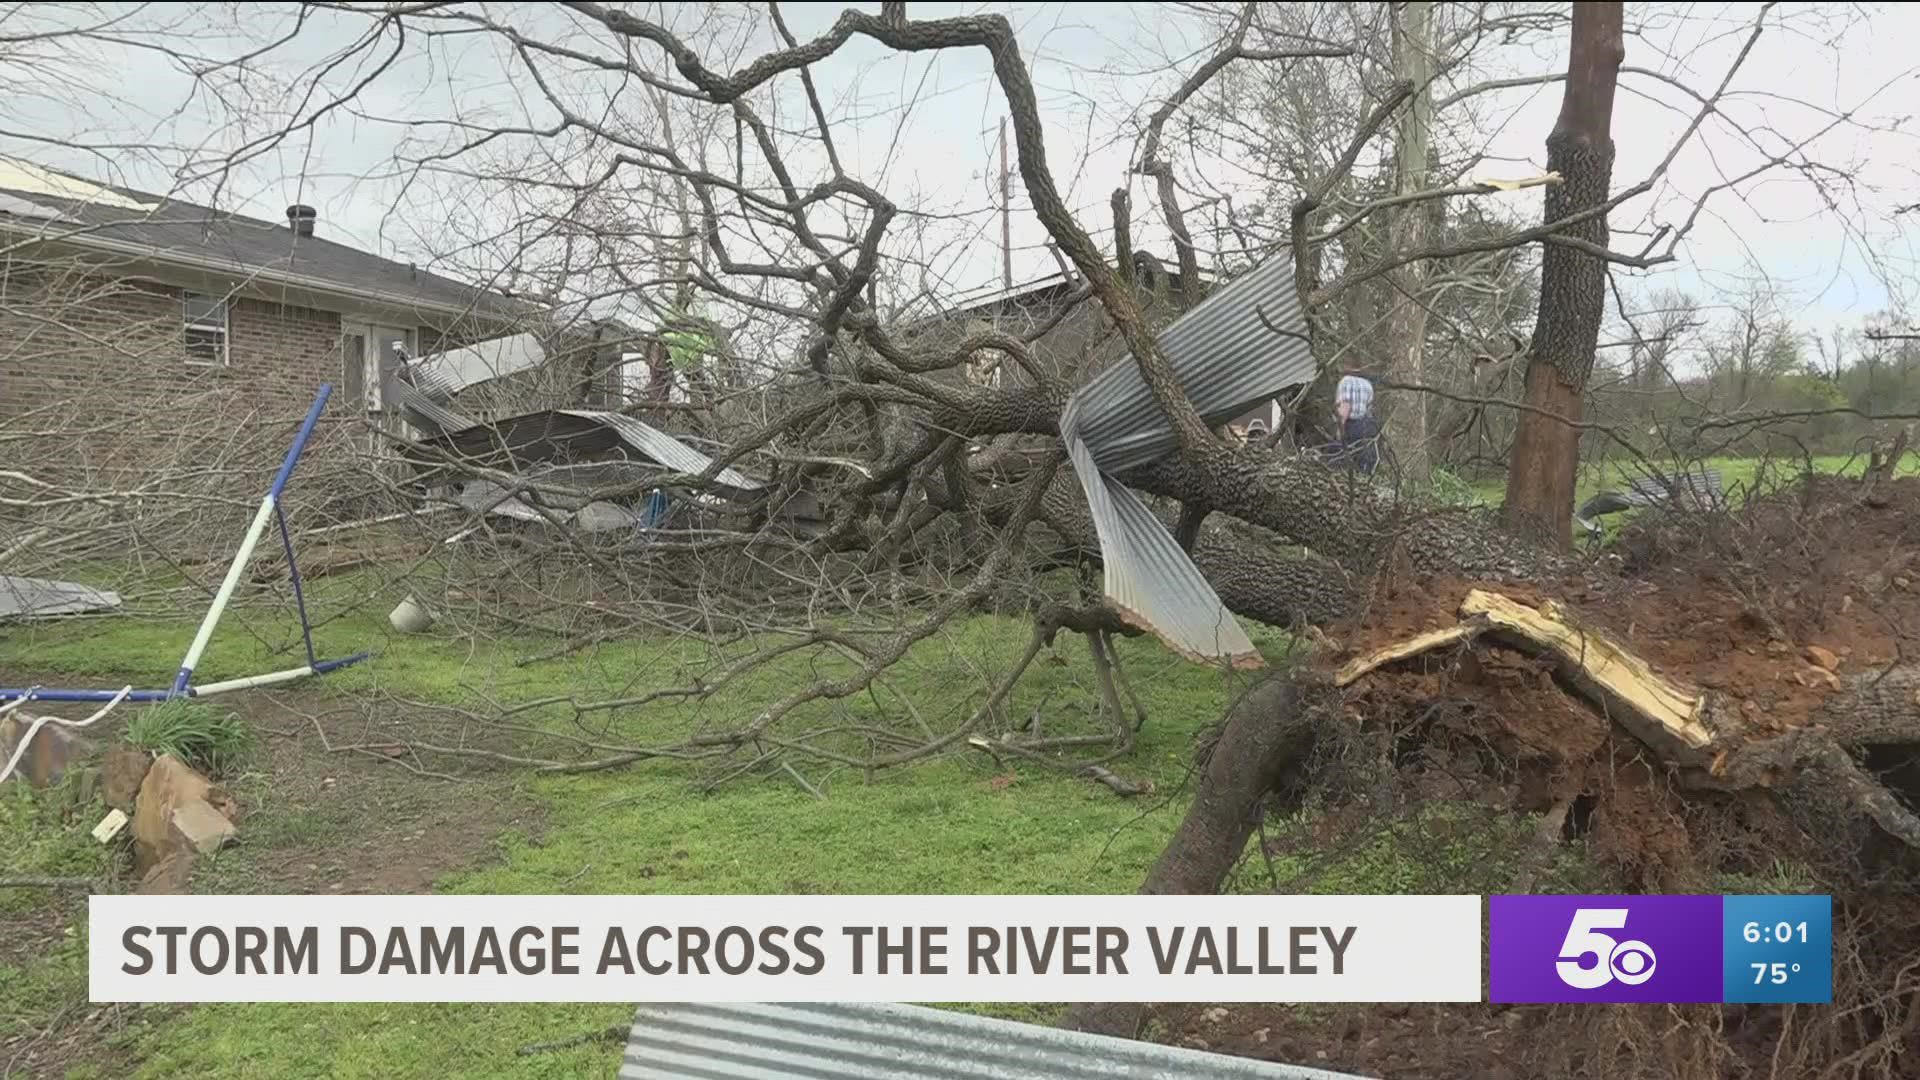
[1604, 949]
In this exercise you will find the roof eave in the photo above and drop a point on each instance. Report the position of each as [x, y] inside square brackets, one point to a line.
[318, 285]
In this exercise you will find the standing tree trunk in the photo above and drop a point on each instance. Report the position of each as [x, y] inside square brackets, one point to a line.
[1407, 326]
[1540, 473]
[659, 374]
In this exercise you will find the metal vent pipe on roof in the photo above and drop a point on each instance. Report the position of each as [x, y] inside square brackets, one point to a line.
[301, 218]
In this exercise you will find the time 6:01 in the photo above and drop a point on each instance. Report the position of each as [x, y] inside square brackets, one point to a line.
[1782, 932]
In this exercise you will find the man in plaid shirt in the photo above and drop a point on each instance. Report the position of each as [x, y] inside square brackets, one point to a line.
[1359, 430]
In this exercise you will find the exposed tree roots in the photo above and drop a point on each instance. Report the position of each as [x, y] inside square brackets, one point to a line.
[1677, 756]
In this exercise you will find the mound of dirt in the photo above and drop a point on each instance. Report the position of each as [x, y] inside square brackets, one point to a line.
[1774, 606]
[1771, 621]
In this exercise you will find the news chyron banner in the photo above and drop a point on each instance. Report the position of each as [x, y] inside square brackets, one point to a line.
[801, 949]
[971, 949]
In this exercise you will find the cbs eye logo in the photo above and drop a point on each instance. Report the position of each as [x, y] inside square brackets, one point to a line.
[1590, 959]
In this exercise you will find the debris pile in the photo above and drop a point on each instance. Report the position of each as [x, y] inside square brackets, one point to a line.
[176, 814]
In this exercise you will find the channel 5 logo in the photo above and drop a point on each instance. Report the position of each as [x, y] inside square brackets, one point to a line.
[1590, 958]
[1604, 948]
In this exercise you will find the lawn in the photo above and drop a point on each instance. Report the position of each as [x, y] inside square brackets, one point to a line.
[1744, 475]
[943, 826]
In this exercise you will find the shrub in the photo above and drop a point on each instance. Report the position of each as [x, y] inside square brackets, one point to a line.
[208, 738]
[1450, 489]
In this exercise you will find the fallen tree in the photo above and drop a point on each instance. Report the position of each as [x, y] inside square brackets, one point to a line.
[1698, 733]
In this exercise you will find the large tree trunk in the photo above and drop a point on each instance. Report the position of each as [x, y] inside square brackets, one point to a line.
[1540, 475]
[1255, 577]
[1266, 738]
[1336, 514]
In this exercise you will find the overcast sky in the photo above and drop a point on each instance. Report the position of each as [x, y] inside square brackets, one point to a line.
[923, 128]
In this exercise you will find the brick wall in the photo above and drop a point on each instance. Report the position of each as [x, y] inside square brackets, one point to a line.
[71, 343]
[97, 393]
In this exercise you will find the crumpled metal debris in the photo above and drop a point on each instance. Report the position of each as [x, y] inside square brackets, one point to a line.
[1242, 345]
[24, 598]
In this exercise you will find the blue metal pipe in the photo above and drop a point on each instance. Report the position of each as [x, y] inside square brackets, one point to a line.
[240, 558]
[300, 441]
[8, 694]
[299, 598]
[325, 666]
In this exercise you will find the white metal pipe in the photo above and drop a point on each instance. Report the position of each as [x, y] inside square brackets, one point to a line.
[226, 591]
[270, 679]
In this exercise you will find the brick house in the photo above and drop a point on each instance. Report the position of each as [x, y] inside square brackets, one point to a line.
[115, 302]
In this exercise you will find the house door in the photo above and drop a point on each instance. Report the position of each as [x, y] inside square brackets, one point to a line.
[370, 356]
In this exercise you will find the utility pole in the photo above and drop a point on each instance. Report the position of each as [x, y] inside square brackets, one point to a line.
[1006, 211]
[1409, 231]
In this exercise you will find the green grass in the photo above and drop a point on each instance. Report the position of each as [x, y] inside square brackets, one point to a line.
[47, 835]
[1747, 475]
[1741, 478]
[936, 827]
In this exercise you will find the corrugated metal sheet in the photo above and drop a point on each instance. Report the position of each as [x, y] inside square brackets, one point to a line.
[434, 379]
[442, 374]
[425, 412]
[571, 485]
[895, 1042]
[433, 382]
[591, 517]
[1228, 359]
[656, 445]
[664, 448]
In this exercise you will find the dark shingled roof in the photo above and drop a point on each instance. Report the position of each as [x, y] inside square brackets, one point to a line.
[216, 239]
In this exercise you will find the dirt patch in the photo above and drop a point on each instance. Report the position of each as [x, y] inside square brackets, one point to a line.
[352, 822]
[1740, 603]
[311, 821]
[1772, 609]
[30, 932]
[1485, 1041]
[1775, 609]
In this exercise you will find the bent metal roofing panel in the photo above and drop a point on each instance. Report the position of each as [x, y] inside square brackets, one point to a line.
[905, 1042]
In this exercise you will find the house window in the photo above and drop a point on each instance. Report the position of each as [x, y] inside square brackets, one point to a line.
[205, 323]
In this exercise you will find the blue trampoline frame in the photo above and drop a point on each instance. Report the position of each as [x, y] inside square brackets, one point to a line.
[270, 510]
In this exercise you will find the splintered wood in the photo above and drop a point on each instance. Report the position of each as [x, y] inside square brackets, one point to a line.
[1664, 713]
[1653, 707]
[1413, 646]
